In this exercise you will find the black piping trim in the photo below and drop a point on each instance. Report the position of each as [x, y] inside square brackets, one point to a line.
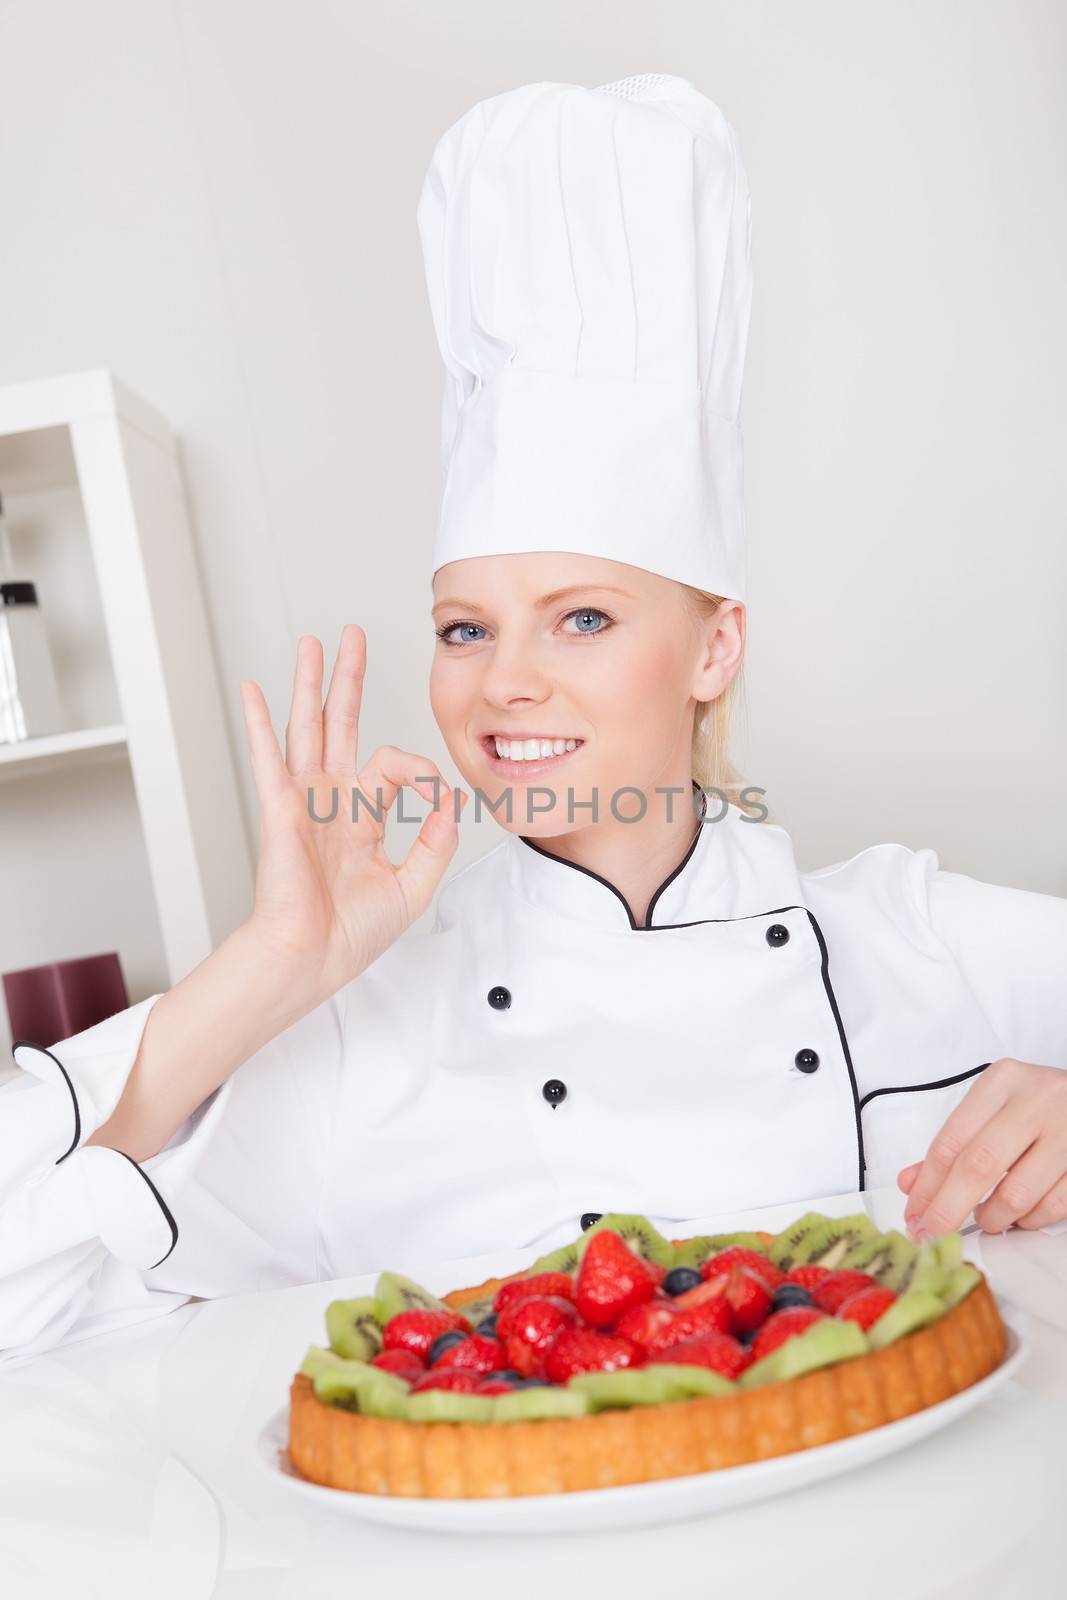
[669, 879]
[30, 1045]
[917, 1088]
[828, 986]
[162, 1206]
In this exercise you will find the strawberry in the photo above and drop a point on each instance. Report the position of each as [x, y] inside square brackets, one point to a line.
[516, 1314]
[782, 1326]
[744, 1299]
[650, 1324]
[866, 1307]
[532, 1327]
[416, 1330]
[739, 1256]
[704, 1309]
[587, 1350]
[558, 1284]
[494, 1385]
[459, 1379]
[834, 1290]
[476, 1353]
[807, 1277]
[402, 1362]
[715, 1350]
[611, 1279]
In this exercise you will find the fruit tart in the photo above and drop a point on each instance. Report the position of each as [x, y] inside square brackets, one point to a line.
[626, 1357]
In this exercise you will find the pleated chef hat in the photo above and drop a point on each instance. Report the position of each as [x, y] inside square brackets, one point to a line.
[587, 256]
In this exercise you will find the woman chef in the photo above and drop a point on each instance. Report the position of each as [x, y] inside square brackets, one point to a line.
[635, 1002]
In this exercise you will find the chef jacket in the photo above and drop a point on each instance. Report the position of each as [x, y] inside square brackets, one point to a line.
[534, 1060]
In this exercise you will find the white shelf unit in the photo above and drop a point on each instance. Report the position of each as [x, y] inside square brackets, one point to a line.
[123, 832]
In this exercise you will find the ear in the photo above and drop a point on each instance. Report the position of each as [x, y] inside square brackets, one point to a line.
[721, 651]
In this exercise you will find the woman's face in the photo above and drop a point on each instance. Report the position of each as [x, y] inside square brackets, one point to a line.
[562, 647]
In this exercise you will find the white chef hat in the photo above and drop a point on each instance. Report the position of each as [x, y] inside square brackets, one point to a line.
[587, 255]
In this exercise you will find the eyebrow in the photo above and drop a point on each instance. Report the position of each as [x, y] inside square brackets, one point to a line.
[545, 600]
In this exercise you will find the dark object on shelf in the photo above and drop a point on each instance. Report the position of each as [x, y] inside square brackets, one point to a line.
[53, 1002]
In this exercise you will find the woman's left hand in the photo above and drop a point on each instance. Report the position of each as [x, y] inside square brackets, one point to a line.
[1009, 1131]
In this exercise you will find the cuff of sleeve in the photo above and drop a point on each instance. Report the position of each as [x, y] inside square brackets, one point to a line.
[101, 1195]
[86, 1075]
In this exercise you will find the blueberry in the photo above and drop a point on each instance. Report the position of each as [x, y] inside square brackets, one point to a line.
[747, 1336]
[443, 1342]
[533, 1383]
[679, 1279]
[791, 1294]
[487, 1326]
[509, 1375]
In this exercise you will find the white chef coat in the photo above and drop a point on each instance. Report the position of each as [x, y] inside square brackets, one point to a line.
[768, 1035]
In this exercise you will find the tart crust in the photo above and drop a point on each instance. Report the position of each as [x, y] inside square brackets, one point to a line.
[480, 1460]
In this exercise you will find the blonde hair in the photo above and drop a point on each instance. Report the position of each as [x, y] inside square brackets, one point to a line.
[712, 767]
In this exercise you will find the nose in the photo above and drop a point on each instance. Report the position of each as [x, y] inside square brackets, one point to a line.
[514, 675]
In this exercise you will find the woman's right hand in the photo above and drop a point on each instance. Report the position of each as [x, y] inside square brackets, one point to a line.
[328, 900]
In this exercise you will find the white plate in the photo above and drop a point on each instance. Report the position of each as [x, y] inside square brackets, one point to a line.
[665, 1499]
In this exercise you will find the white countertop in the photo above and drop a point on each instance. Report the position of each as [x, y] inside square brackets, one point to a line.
[127, 1468]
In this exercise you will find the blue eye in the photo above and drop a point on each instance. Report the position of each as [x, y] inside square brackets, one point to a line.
[450, 627]
[586, 613]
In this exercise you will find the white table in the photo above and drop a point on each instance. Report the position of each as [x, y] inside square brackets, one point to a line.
[127, 1468]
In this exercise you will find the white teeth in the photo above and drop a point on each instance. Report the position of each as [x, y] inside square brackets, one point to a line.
[532, 749]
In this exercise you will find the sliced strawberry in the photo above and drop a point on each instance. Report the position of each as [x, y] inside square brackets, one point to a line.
[739, 1256]
[710, 1315]
[494, 1385]
[558, 1284]
[461, 1380]
[611, 1278]
[781, 1326]
[866, 1307]
[519, 1312]
[589, 1350]
[744, 1299]
[715, 1350]
[402, 1362]
[650, 1324]
[533, 1325]
[807, 1277]
[480, 1355]
[416, 1330]
[835, 1290]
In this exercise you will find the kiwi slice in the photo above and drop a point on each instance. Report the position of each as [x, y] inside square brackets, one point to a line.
[476, 1310]
[949, 1249]
[648, 1386]
[914, 1309]
[354, 1384]
[696, 1251]
[887, 1257]
[446, 1405]
[565, 1259]
[548, 1400]
[820, 1345]
[959, 1283]
[644, 1240]
[828, 1245]
[354, 1328]
[785, 1245]
[394, 1293]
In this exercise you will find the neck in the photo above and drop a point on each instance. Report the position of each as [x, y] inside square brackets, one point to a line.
[635, 857]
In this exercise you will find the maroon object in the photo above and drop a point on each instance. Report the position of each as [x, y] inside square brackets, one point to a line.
[53, 1002]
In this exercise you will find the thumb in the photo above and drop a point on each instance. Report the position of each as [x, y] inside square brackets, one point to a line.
[435, 844]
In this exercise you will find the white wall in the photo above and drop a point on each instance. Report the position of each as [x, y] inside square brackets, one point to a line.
[216, 199]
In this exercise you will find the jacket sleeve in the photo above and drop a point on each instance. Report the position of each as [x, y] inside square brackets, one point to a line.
[1011, 946]
[91, 1240]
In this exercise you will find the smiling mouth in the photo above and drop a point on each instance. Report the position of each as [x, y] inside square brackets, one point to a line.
[508, 754]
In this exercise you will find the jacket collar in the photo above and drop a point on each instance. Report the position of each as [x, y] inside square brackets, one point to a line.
[695, 890]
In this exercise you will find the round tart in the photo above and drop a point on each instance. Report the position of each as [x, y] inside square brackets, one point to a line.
[626, 1357]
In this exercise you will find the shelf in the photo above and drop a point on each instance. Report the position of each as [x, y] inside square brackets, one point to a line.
[28, 757]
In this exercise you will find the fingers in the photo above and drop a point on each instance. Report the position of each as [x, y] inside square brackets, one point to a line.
[303, 731]
[341, 715]
[268, 767]
[983, 1100]
[388, 770]
[1052, 1208]
[1024, 1186]
[434, 846]
[906, 1178]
